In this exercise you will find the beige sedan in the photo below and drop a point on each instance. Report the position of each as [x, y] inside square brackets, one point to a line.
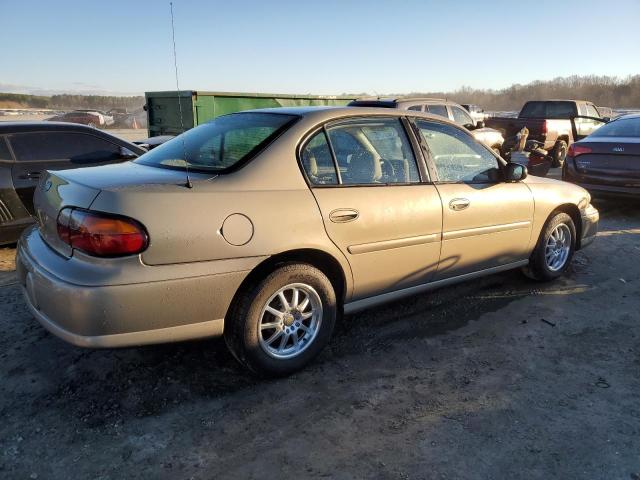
[265, 226]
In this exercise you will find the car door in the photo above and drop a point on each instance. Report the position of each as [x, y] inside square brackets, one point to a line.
[587, 121]
[486, 222]
[376, 202]
[36, 152]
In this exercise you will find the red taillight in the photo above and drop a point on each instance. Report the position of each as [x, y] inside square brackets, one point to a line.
[544, 127]
[575, 150]
[101, 234]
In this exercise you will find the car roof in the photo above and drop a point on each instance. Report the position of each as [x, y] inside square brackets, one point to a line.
[15, 127]
[325, 113]
[43, 126]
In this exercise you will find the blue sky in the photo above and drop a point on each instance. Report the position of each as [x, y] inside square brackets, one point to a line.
[327, 47]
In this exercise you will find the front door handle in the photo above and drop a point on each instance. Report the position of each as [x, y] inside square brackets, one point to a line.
[343, 215]
[459, 204]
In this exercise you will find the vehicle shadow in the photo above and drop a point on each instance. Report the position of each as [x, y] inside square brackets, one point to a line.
[105, 387]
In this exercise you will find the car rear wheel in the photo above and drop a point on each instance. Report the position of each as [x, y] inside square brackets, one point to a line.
[554, 250]
[559, 153]
[281, 323]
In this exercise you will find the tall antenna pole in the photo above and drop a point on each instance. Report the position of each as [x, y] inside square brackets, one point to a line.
[188, 184]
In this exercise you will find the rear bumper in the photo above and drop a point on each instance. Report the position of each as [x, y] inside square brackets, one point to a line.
[590, 218]
[599, 184]
[170, 310]
[611, 190]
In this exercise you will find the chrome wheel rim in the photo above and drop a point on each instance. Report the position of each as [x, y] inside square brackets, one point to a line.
[290, 321]
[558, 247]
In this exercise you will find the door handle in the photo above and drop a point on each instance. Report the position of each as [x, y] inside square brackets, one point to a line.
[459, 204]
[29, 176]
[343, 215]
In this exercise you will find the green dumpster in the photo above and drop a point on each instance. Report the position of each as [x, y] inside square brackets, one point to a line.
[163, 108]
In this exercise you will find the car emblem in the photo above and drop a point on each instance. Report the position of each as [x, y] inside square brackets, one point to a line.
[618, 149]
[47, 185]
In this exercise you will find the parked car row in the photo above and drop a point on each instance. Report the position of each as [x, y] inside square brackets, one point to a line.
[90, 118]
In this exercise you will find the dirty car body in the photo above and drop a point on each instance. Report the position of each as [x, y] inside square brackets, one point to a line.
[288, 218]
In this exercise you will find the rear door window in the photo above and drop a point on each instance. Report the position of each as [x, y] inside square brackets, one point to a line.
[373, 151]
[77, 148]
[317, 161]
[416, 108]
[440, 110]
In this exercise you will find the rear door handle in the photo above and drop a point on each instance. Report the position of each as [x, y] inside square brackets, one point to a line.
[343, 215]
[459, 204]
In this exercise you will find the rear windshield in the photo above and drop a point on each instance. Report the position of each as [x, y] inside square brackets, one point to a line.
[220, 144]
[629, 127]
[548, 110]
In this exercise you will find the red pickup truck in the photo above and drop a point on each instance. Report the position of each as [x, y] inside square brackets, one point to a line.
[556, 123]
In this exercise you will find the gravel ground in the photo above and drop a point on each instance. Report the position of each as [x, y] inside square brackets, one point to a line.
[496, 378]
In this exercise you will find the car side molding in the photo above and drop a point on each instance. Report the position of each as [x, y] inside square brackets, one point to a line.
[365, 303]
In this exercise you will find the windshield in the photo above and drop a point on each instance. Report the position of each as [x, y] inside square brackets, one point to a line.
[629, 127]
[220, 144]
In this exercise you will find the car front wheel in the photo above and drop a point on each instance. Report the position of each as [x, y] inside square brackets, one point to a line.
[554, 250]
[281, 323]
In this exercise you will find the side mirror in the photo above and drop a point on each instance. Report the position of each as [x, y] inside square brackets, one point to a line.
[480, 124]
[127, 154]
[606, 119]
[515, 172]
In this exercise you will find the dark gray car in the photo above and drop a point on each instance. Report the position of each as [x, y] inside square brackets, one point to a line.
[28, 149]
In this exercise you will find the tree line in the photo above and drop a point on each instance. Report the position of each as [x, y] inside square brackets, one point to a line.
[68, 102]
[604, 91]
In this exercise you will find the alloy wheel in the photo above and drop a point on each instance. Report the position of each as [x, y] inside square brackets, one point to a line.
[290, 321]
[558, 247]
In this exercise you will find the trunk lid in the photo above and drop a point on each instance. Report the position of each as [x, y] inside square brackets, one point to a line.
[613, 159]
[54, 192]
[80, 187]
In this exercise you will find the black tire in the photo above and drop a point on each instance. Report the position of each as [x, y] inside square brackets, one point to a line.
[538, 268]
[559, 153]
[242, 327]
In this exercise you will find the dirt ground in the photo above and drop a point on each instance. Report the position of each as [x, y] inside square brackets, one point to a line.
[493, 379]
